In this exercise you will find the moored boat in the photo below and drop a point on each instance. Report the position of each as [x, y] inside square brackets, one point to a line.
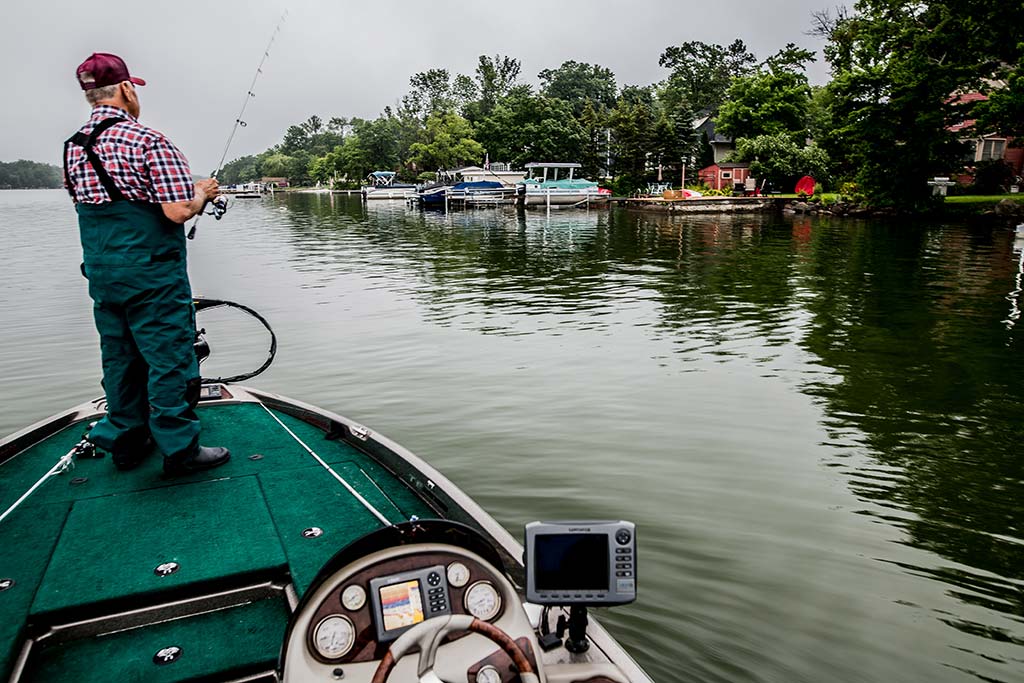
[555, 184]
[383, 186]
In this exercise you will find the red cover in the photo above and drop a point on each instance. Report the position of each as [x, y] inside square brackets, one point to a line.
[805, 186]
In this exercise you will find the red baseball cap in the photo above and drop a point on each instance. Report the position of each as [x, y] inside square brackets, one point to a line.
[103, 69]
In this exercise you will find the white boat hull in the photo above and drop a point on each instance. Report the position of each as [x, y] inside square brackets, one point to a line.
[563, 198]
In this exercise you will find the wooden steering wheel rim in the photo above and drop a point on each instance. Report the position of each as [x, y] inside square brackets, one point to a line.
[490, 631]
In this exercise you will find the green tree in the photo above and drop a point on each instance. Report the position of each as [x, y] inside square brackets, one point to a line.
[766, 103]
[313, 125]
[594, 153]
[434, 92]
[580, 84]
[701, 72]
[277, 165]
[525, 127]
[1003, 113]
[780, 160]
[24, 174]
[773, 99]
[897, 66]
[633, 129]
[447, 142]
[495, 78]
[295, 138]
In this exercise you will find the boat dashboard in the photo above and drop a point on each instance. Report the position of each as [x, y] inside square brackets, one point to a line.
[427, 611]
[352, 619]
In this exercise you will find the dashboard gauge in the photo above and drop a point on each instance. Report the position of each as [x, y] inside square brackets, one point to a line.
[488, 674]
[334, 636]
[458, 574]
[482, 601]
[353, 598]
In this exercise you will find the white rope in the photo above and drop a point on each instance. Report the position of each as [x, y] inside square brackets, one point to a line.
[366, 504]
[65, 463]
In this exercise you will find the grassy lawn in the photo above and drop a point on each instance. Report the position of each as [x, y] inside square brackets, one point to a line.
[828, 197]
[984, 199]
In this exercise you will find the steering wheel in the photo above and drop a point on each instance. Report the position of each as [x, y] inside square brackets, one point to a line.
[427, 636]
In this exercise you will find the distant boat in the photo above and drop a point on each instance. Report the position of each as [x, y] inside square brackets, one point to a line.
[246, 191]
[382, 185]
[545, 187]
[483, 192]
[468, 194]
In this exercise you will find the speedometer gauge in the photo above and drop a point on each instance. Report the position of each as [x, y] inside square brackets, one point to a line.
[482, 601]
[334, 636]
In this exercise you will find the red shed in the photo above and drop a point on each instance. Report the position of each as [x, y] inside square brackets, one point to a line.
[722, 176]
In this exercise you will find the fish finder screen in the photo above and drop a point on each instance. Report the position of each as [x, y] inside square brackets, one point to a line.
[401, 605]
[571, 562]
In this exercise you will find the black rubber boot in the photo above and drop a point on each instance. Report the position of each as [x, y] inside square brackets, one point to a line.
[204, 458]
[128, 457]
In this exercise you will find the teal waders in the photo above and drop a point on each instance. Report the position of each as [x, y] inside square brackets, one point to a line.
[134, 258]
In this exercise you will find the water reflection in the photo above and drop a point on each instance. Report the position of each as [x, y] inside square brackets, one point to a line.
[904, 330]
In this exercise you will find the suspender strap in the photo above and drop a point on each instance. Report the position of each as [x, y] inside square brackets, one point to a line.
[86, 142]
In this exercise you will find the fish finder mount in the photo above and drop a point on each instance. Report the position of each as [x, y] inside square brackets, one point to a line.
[580, 564]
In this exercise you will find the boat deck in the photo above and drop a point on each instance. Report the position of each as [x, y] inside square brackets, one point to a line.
[87, 544]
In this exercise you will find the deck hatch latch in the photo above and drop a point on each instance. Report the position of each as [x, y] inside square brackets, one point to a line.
[167, 655]
[166, 569]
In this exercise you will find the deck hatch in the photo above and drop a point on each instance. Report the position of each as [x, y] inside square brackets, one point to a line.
[110, 546]
[234, 642]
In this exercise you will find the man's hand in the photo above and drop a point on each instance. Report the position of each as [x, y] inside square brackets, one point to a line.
[210, 187]
[179, 212]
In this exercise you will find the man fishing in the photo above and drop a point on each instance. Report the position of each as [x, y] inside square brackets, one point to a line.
[133, 190]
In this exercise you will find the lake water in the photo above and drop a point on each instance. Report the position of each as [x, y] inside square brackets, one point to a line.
[817, 424]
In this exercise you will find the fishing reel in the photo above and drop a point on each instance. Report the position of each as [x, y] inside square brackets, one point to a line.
[218, 207]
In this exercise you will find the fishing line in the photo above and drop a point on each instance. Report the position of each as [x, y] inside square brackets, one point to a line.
[239, 121]
[203, 304]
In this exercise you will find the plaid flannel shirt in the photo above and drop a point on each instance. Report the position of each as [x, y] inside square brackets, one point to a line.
[144, 164]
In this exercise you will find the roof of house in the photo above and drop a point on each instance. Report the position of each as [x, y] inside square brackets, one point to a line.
[726, 165]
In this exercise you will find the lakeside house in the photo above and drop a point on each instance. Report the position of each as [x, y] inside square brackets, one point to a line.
[983, 148]
[274, 182]
[721, 146]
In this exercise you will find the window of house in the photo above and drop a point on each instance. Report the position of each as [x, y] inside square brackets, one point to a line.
[991, 148]
[726, 175]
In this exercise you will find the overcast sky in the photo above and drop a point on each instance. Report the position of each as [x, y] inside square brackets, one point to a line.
[332, 57]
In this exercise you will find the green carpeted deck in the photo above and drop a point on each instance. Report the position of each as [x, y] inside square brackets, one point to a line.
[89, 540]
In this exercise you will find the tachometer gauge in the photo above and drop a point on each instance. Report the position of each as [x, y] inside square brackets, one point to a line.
[482, 601]
[353, 598]
[334, 636]
[458, 574]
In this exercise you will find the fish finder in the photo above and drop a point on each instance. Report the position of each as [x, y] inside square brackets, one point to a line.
[580, 563]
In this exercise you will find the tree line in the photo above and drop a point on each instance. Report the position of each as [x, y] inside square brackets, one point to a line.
[29, 175]
[884, 124]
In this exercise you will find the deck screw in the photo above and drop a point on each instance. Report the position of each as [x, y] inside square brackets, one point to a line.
[256, 456]
[338, 674]
[78, 481]
[5, 584]
[312, 532]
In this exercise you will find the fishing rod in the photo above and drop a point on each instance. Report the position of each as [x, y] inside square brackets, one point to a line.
[220, 206]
